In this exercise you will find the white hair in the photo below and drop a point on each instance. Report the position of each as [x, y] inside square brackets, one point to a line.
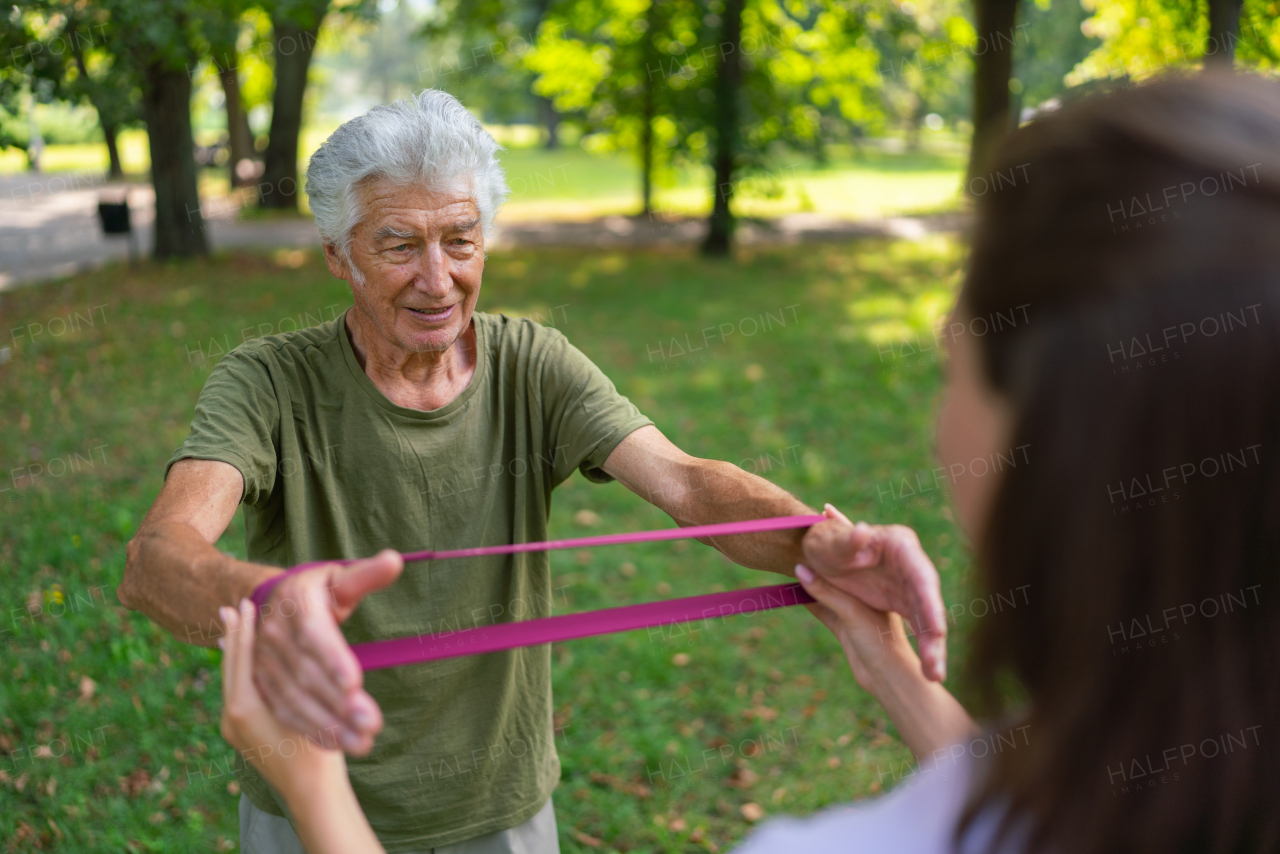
[428, 139]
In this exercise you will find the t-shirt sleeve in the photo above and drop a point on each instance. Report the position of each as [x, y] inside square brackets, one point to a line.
[585, 416]
[237, 422]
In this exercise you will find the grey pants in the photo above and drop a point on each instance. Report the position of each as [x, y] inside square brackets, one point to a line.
[264, 833]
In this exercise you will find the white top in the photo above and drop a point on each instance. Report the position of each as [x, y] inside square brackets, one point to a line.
[918, 817]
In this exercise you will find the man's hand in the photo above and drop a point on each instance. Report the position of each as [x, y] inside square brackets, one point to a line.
[885, 567]
[304, 669]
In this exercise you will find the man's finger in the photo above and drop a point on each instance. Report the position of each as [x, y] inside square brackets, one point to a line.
[294, 708]
[863, 545]
[353, 583]
[316, 634]
[925, 612]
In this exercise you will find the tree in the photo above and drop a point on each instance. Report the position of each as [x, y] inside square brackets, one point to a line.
[1224, 31]
[994, 22]
[728, 83]
[656, 81]
[923, 69]
[498, 31]
[1050, 44]
[64, 52]
[601, 65]
[224, 33]
[1141, 38]
[295, 26]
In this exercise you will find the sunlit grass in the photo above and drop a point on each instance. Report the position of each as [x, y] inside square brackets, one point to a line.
[814, 404]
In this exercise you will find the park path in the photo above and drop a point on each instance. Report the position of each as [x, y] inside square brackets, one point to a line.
[49, 228]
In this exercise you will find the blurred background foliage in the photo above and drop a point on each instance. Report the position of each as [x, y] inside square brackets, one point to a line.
[818, 82]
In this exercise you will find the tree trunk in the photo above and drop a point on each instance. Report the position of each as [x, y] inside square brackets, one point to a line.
[166, 105]
[992, 67]
[914, 121]
[646, 152]
[114, 172]
[109, 128]
[648, 108]
[239, 137]
[728, 83]
[1224, 32]
[293, 43]
[550, 120]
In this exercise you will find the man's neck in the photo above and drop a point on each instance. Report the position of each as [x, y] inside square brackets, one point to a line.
[424, 381]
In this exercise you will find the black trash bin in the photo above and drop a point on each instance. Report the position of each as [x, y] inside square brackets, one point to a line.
[115, 217]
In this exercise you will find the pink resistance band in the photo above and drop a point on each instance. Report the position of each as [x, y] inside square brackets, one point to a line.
[501, 636]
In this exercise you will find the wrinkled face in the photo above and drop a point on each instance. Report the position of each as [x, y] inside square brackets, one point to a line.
[420, 254]
[974, 423]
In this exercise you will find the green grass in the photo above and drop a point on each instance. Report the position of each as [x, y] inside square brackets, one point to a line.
[758, 710]
[572, 184]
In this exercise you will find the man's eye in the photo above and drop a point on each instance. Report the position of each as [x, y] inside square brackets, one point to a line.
[460, 241]
[403, 247]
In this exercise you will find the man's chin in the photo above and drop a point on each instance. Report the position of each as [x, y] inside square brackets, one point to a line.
[428, 341]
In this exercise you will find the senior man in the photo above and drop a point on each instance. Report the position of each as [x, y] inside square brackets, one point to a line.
[367, 434]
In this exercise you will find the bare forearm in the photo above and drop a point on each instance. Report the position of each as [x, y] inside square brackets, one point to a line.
[695, 491]
[328, 816]
[926, 714]
[179, 580]
[721, 492]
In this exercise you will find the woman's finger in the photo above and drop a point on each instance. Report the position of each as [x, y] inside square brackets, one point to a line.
[824, 615]
[230, 658]
[830, 511]
[819, 589]
[244, 643]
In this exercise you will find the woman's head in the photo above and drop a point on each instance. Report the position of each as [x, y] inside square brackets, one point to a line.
[1136, 242]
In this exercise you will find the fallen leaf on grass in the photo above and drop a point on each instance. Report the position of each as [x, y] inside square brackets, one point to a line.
[752, 812]
[639, 790]
[589, 841]
[136, 782]
[87, 688]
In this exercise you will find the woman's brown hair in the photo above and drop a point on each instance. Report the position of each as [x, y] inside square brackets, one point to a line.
[1137, 236]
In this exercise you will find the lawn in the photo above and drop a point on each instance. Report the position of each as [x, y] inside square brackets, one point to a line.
[670, 741]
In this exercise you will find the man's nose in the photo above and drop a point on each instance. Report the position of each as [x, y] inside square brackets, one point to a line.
[433, 272]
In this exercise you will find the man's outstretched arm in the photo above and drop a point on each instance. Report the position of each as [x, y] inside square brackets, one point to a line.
[173, 572]
[694, 491]
[882, 565]
[305, 669]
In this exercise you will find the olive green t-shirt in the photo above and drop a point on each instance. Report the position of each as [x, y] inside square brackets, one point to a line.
[333, 469]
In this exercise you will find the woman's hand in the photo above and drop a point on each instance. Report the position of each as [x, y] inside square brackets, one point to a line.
[874, 642]
[290, 760]
[885, 567]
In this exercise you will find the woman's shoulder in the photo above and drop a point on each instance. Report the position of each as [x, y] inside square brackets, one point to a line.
[918, 817]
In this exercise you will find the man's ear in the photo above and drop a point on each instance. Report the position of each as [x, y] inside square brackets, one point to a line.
[337, 262]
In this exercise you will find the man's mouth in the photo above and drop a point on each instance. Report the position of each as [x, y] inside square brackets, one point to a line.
[432, 315]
